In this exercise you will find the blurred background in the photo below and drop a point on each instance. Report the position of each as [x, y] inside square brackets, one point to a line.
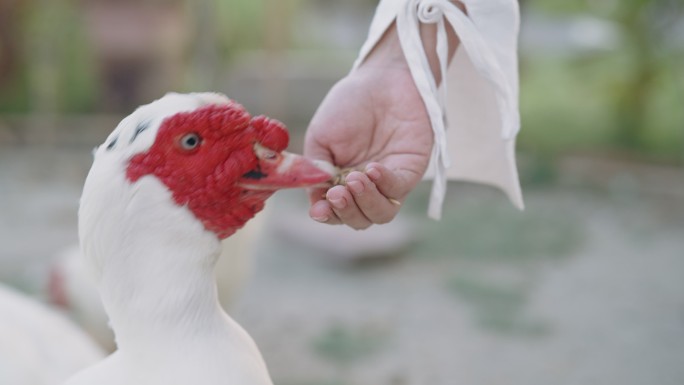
[586, 286]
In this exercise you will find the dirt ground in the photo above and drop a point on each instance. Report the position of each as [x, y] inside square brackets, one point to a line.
[584, 287]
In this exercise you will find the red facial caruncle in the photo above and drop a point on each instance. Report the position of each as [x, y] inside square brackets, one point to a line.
[202, 156]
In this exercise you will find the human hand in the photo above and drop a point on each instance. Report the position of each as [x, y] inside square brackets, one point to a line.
[373, 120]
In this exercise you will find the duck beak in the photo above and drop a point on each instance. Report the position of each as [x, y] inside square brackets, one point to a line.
[282, 170]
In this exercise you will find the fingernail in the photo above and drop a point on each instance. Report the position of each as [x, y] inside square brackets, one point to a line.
[356, 186]
[322, 219]
[338, 203]
[373, 173]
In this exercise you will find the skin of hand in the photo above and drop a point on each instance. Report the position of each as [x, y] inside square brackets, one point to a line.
[373, 120]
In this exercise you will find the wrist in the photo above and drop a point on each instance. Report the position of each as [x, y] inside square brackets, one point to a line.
[428, 35]
[388, 52]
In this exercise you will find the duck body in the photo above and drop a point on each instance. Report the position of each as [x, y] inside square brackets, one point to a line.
[235, 360]
[174, 179]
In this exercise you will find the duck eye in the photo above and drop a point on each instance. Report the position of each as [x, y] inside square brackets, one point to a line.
[190, 141]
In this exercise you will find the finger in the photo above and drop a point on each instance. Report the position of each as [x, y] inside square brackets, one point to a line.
[344, 206]
[322, 212]
[316, 195]
[391, 184]
[375, 206]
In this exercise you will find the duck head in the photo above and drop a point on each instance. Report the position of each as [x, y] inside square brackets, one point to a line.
[215, 159]
[199, 154]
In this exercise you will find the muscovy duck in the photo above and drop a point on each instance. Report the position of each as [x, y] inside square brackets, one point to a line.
[172, 180]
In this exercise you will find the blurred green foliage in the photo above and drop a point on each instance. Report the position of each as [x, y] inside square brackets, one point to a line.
[487, 228]
[569, 105]
[490, 252]
[75, 69]
[236, 20]
[627, 98]
[54, 55]
[342, 344]
[497, 307]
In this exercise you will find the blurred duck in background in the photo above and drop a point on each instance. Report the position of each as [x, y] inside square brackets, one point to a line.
[38, 345]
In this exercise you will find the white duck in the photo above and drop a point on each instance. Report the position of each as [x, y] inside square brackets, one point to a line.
[173, 179]
[39, 346]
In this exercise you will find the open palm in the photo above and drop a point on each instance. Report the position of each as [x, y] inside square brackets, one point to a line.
[372, 120]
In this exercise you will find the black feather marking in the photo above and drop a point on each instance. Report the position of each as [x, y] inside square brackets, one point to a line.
[140, 128]
[112, 143]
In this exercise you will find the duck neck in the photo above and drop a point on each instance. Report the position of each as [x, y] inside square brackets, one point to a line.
[154, 261]
[162, 290]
